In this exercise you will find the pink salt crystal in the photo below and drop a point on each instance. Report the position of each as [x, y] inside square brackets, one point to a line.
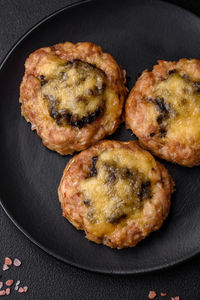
[25, 289]
[21, 290]
[2, 293]
[1, 284]
[17, 262]
[8, 291]
[9, 282]
[5, 267]
[8, 261]
[152, 294]
[17, 285]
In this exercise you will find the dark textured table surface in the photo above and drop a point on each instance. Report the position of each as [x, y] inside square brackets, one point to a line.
[46, 277]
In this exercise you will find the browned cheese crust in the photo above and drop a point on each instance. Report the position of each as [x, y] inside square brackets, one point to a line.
[64, 71]
[163, 111]
[116, 192]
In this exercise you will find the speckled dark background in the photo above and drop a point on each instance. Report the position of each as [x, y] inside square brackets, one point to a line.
[46, 277]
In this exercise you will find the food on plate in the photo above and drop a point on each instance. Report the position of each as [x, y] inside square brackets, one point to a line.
[73, 95]
[163, 111]
[116, 192]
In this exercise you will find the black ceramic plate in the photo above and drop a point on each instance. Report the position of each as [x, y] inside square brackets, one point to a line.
[137, 34]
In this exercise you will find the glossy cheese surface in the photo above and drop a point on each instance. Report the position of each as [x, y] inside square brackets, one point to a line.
[76, 93]
[118, 189]
[181, 97]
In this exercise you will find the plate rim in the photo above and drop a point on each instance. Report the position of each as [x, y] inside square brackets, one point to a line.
[141, 271]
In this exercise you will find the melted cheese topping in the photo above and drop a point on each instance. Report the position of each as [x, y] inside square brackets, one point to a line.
[184, 100]
[115, 193]
[77, 87]
[50, 68]
[63, 92]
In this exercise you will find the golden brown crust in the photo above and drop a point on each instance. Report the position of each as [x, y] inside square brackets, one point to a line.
[154, 211]
[138, 116]
[66, 140]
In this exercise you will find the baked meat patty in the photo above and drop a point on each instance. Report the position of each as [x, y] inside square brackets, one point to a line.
[116, 192]
[163, 111]
[73, 95]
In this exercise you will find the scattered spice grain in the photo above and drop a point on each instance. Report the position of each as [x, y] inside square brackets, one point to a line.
[5, 267]
[17, 262]
[2, 293]
[25, 289]
[21, 290]
[8, 261]
[8, 291]
[9, 282]
[152, 294]
[17, 285]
